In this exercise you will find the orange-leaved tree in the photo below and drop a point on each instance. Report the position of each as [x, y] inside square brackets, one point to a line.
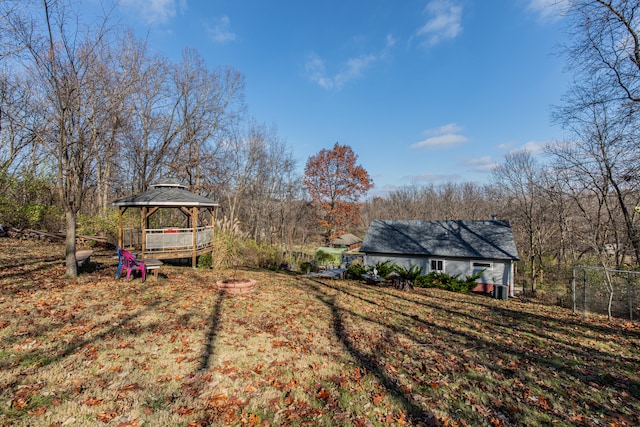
[335, 183]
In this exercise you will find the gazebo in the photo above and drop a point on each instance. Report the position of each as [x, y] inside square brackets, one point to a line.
[171, 242]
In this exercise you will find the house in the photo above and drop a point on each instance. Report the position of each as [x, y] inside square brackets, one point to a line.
[453, 247]
[348, 241]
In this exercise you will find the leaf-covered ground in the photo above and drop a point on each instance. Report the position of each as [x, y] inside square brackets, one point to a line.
[297, 351]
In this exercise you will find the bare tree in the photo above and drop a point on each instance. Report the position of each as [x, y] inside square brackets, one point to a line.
[605, 43]
[119, 73]
[21, 119]
[64, 58]
[272, 188]
[517, 184]
[598, 159]
[466, 200]
[209, 104]
[150, 122]
[601, 108]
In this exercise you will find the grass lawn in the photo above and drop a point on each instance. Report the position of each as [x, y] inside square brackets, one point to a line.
[297, 351]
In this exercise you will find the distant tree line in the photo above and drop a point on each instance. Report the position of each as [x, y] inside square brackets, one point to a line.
[89, 113]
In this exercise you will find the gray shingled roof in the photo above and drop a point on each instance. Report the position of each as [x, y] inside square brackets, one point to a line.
[464, 239]
[346, 240]
[169, 193]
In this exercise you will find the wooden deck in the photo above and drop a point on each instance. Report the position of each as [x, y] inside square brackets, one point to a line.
[169, 243]
[175, 254]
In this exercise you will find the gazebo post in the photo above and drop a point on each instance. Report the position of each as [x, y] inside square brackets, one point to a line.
[194, 226]
[144, 221]
[120, 230]
[213, 230]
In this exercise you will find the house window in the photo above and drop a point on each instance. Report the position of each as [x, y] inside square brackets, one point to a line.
[437, 265]
[481, 265]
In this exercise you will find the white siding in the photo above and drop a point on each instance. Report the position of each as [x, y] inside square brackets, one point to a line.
[500, 272]
[371, 260]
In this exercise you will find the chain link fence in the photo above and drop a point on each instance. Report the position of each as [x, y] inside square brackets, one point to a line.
[598, 290]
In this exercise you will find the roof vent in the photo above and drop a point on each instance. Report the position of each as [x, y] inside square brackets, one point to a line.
[169, 183]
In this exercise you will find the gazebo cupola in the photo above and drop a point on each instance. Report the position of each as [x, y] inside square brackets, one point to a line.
[168, 242]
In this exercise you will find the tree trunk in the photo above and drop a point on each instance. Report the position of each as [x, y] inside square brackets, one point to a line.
[70, 243]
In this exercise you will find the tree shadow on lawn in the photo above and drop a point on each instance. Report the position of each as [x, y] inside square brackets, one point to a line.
[25, 273]
[509, 320]
[23, 265]
[28, 273]
[48, 356]
[449, 340]
[417, 414]
[527, 317]
[575, 320]
[208, 352]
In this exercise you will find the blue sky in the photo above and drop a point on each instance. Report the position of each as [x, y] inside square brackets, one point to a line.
[424, 91]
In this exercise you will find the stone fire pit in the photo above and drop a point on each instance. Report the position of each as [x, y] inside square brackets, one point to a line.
[236, 286]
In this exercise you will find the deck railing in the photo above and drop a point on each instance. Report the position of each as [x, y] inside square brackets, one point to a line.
[177, 239]
[132, 237]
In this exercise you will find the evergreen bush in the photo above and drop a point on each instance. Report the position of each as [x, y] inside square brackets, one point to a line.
[410, 273]
[384, 268]
[205, 261]
[447, 282]
[356, 270]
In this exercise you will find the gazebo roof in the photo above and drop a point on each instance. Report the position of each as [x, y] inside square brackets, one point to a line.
[167, 193]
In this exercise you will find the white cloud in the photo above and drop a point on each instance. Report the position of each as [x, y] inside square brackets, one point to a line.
[444, 22]
[533, 147]
[220, 32]
[444, 129]
[352, 69]
[506, 145]
[481, 164]
[447, 140]
[445, 136]
[548, 10]
[391, 41]
[316, 71]
[156, 12]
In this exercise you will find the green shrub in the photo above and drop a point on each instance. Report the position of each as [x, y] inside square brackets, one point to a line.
[471, 282]
[323, 257]
[28, 201]
[435, 279]
[447, 282]
[98, 224]
[259, 255]
[205, 261]
[305, 267]
[410, 273]
[384, 268]
[356, 270]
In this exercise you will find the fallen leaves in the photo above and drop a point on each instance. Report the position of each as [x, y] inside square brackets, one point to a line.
[107, 417]
[124, 391]
[22, 397]
[37, 411]
[91, 401]
[302, 353]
